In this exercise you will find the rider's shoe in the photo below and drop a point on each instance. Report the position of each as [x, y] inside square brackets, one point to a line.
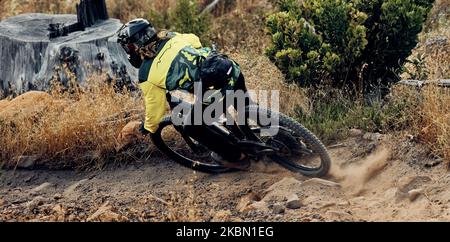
[243, 164]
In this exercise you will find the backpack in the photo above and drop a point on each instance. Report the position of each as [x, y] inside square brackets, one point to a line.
[216, 70]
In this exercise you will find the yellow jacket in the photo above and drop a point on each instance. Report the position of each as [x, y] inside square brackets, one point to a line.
[155, 87]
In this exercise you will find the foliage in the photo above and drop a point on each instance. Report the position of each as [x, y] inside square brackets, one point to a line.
[350, 43]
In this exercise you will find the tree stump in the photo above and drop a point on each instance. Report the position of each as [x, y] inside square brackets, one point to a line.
[30, 60]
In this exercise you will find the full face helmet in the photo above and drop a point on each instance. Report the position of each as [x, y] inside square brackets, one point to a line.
[136, 34]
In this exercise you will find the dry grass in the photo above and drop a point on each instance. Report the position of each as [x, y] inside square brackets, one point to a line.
[243, 29]
[434, 126]
[261, 74]
[77, 129]
[86, 123]
[10, 8]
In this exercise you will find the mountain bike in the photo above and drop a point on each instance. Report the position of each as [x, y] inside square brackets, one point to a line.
[293, 147]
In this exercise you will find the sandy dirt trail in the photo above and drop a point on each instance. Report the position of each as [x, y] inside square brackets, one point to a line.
[370, 181]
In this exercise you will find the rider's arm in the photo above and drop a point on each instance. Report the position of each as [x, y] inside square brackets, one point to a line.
[155, 105]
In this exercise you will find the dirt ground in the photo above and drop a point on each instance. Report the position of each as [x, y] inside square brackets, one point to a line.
[373, 178]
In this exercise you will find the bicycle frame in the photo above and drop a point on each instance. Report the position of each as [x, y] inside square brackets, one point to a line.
[240, 135]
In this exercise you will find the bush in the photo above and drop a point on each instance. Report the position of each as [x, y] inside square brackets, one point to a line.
[188, 18]
[392, 32]
[185, 17]
[351, 43]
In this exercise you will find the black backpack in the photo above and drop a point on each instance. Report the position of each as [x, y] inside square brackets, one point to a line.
[216, 70]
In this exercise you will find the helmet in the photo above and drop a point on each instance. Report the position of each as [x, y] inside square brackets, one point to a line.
[136, 34]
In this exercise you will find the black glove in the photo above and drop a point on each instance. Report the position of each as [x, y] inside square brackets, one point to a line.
[142, 129]
[135, 59]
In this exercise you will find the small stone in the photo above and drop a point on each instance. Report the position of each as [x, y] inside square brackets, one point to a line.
[58, 209]
[256, 206]
[246, 201]
[57, 196]
[414, 194]
[60, 212]
[279, 191]
[407, 184]
[355, 132]
[35, 203]
[293, 202]
[129, 135]
[346, 203]
[278, 208]
[26, 162]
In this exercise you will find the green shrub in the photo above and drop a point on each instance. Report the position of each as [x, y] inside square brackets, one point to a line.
[185, 17]
[351, 43]
[392, 32]
[298, 51]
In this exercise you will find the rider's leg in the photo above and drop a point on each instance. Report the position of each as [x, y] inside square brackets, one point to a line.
[215, 141]
[242, 128]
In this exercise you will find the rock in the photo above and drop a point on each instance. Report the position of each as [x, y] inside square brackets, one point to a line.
[293, 202]
[372, 136]
[129, 135]
[42, 188]
[246, 200]
[434, 162]
[35, 203]
[407, 184]
[278, 208]
[414, 194]
[2, 202]
[26, 162]
[59, 211]
[321, 182]
[260, 206]
[280, 191]
[222, 216]
[105, 214]
[27, 104]
[57, 196]
[70, 191]
[355, 132]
